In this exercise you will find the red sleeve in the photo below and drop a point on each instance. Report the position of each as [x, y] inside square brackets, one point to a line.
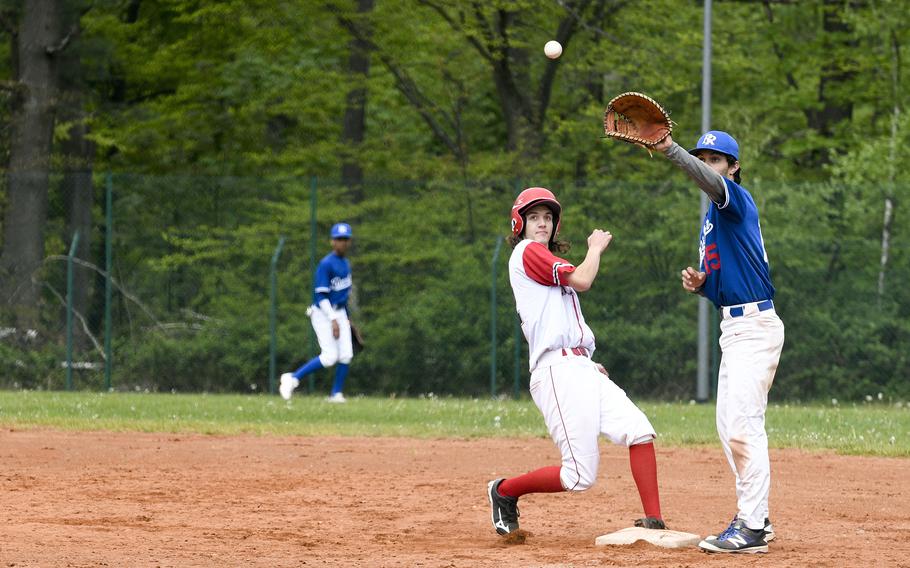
[544, 267]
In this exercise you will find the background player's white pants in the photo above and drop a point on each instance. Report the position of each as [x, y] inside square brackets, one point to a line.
[578, 404]
[332, 350]
[751, 347]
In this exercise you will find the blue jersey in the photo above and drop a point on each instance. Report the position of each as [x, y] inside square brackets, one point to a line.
[732, 251]
[333, 280]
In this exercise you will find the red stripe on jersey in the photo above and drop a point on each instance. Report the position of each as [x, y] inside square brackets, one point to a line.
[544, 267]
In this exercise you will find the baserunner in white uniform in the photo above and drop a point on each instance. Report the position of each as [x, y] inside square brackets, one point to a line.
[578, 400]
[734, 274]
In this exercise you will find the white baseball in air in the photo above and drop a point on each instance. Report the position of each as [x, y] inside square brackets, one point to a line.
[552, 49]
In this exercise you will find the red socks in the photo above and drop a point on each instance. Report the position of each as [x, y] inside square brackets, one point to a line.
[644, 471]
[642, 461]
[543, 480]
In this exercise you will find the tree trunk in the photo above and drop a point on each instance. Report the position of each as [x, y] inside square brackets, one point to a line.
[886, 240]
[32, 126]
[835, 108]
[892, 166]
[76, 187]
[512, 83]
[354, 126]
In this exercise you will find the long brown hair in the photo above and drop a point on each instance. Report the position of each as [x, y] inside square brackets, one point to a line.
[737, 177]
[555, 245]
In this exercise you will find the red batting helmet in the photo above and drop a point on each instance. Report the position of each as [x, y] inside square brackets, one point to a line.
[529, 198]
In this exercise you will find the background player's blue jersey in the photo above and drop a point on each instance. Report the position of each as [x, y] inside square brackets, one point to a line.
[333, 280]
[732, 251]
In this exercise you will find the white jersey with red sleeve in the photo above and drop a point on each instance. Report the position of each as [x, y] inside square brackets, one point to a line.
[549, 310]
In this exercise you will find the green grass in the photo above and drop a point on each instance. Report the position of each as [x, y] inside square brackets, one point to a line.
[864, 429]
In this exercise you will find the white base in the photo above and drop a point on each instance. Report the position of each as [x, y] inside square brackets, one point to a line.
[663, 538]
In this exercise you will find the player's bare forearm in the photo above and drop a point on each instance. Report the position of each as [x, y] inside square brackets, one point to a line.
[583, 277]
[704, 177]
[585, 273]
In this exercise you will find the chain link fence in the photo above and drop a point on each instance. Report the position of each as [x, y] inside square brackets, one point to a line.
[181, 283]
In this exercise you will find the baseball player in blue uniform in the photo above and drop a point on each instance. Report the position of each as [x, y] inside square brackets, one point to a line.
[329, 317]
[733, 273]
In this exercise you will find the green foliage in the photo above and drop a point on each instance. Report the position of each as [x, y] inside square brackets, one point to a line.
[218, 119]
[423, 261]
[236, 87]
[27, 366]
[219, 357]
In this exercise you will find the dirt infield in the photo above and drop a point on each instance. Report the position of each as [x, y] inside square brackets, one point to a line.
[115, 499]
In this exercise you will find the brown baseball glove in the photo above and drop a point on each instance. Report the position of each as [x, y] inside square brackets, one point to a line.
[638, 119]
[356, 338]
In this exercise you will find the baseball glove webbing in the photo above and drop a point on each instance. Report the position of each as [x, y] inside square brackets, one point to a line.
[636, 118]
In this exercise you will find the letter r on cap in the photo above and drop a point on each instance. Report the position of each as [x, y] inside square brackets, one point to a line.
[709, 140]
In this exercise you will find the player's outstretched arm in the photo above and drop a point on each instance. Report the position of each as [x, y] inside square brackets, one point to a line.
[709, 181]
[585, 273]
[664, 144]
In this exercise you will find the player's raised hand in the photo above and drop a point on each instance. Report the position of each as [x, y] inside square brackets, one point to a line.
[584, 274]
[664, 144]
[599, 240]
[693, 280]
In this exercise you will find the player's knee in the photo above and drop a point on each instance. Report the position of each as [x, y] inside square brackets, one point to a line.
[328, 359]
[645, 438]
[581, 483]
[345, 354]
[585, 483]
[640, 432]
[579, 477]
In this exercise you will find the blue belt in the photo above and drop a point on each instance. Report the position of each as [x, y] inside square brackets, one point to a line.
[762, 306]
[334, 306]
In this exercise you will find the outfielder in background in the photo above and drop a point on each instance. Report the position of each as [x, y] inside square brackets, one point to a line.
[734, 274]
[576, 396]
[329, 317]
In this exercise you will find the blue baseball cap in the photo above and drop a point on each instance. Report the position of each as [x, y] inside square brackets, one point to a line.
[341, 231]
[718, 141]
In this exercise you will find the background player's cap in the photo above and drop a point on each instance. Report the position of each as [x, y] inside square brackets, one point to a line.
[718, 141]
[341, 231]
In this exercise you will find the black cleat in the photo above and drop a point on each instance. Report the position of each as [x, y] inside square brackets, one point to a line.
[505, 509]
[650, 523]
[768, 528]
[737, 538]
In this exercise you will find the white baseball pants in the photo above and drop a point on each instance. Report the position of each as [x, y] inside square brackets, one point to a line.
[332, 350]
[751, 347]
[578, 404]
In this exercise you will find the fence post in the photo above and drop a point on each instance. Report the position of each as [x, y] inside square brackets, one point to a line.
[108, 252]
[273, 312]
[69, 311]
[313, 200]
[493, 318]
